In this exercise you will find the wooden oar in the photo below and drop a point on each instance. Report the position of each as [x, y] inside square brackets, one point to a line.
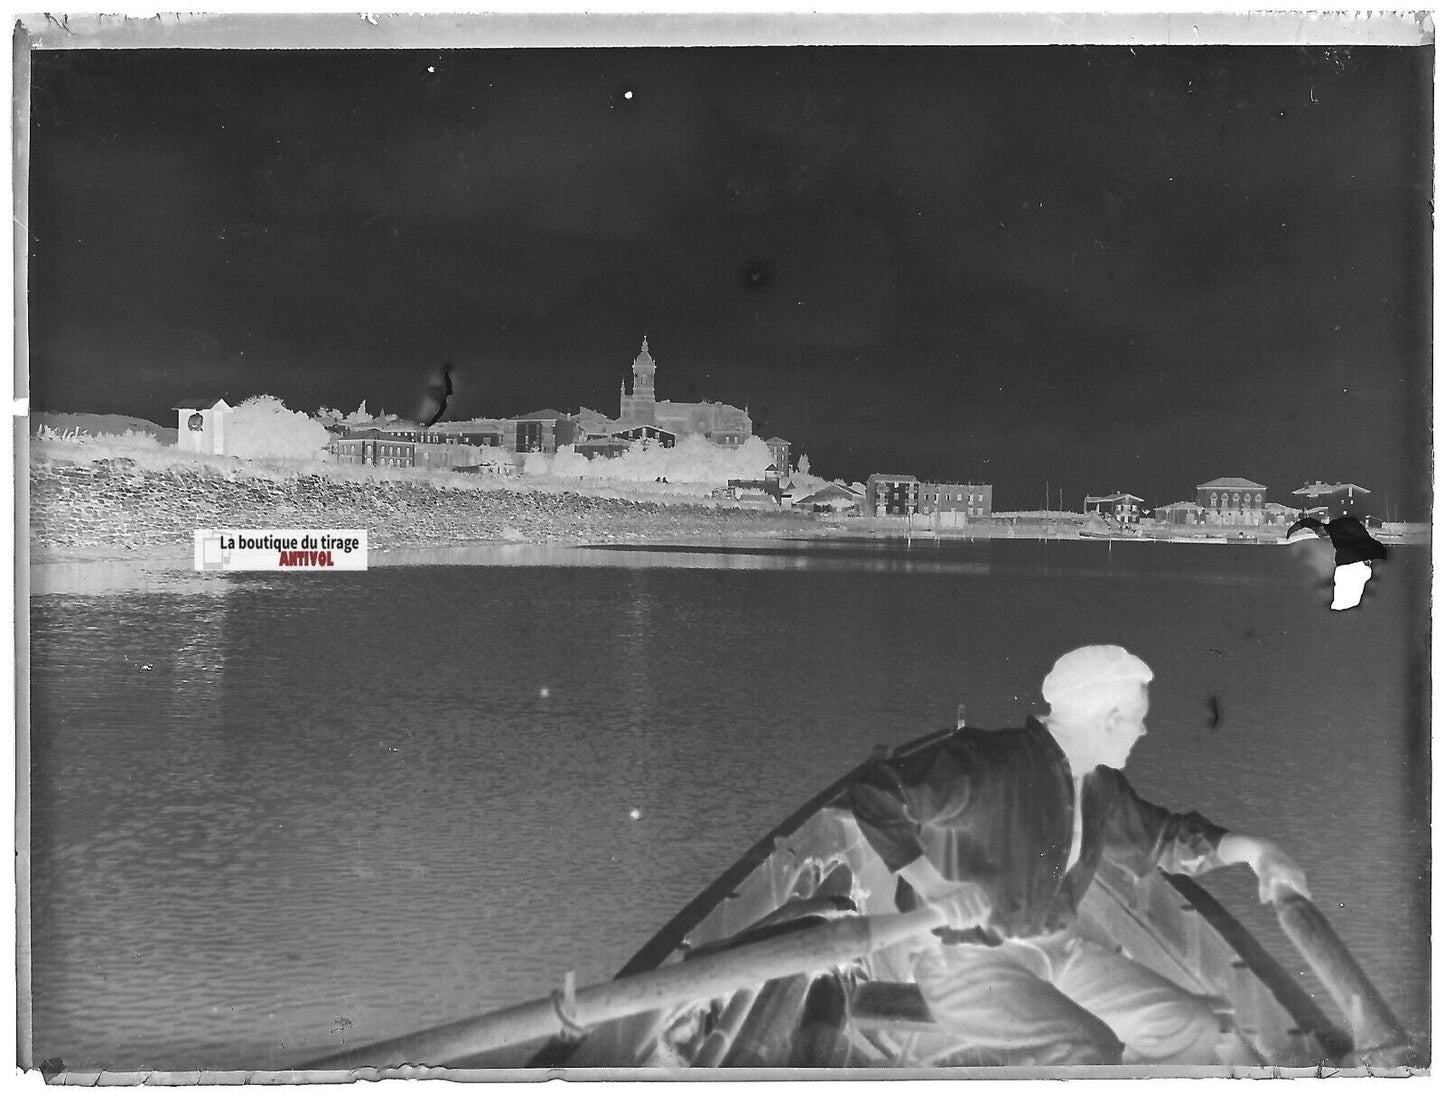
[705, 977]
[1378, 1035]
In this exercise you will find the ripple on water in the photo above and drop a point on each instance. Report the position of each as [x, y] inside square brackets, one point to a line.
[325, 819]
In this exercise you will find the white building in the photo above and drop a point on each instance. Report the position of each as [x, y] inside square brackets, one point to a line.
[201, 425]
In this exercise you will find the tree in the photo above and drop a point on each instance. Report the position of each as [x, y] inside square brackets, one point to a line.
[804, 464]
[694, 459]
[262, 427]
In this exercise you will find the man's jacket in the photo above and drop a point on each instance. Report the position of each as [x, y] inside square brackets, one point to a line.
[996, 807]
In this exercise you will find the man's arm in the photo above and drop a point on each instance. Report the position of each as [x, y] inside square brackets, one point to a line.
[1276, 871]
[891, 799]
[1143, 835]
[964, 904]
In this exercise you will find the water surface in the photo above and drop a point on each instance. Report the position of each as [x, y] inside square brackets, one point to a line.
[273, 816]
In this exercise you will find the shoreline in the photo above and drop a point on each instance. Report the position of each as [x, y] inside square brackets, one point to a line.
[114, 523]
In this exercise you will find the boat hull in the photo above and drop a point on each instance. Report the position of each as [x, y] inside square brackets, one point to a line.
[1167, 923]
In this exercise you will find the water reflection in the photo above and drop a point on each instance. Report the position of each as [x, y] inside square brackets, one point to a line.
[103, 577]
[821, 555]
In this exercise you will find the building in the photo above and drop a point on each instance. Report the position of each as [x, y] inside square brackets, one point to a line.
[1231, 501]
[968, 499]
[718, 422]
[768, 488]
[778, 451]
[446, 456]
[399, 429]
[543, 430]
[1125, 508]
[479, 432]
[656, 434]
[835, 497]
[539, 431]
[605, 447]
[1329, 500]
[201, 425]
[891, 496]
[1179, 512]
[591, 423]
[1276, 513]
[373, 448]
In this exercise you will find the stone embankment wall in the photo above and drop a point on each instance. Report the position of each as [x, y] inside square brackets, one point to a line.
[115, 503]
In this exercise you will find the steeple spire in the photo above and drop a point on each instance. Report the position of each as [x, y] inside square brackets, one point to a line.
[641, 405]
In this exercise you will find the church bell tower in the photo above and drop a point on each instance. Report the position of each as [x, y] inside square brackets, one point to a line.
[641, 405]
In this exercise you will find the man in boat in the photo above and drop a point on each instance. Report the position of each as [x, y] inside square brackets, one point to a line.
[1340, 554]
[982, 825]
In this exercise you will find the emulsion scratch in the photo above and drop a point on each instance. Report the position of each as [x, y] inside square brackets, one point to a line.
[438, 392]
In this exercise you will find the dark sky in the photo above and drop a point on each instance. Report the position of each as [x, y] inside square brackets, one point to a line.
[1102, 268]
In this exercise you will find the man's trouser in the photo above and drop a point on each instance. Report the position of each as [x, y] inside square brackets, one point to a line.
[1061, 999]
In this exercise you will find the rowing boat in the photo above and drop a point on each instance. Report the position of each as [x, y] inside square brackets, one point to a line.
[795, 957]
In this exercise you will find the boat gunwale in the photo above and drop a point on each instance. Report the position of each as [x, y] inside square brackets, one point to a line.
[671, 936]
[1301, 1008]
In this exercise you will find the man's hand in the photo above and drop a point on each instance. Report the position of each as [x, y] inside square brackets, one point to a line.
[963, 904]
[1278, 873]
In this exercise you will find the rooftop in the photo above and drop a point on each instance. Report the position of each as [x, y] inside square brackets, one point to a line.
[1231, 484]
[1315, 489]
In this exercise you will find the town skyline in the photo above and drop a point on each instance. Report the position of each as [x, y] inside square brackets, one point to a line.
[1099, 269]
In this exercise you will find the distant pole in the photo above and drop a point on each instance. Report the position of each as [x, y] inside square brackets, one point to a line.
[1046, 497]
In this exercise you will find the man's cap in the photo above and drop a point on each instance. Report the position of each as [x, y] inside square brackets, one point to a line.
[1091, 667]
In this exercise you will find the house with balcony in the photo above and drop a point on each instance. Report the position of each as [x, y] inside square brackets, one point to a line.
[1125, 508]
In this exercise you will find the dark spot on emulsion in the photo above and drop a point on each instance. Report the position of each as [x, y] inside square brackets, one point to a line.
[1215, 715]
[755, 275]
